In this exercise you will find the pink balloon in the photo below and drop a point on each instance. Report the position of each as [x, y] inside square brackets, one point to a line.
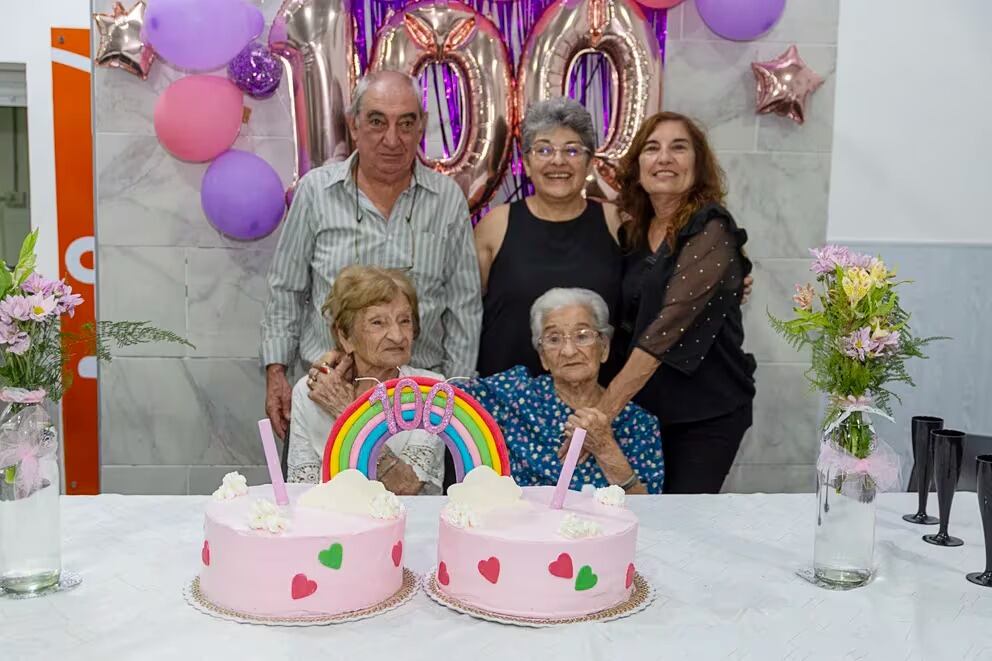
[659, 4]
[197, 118]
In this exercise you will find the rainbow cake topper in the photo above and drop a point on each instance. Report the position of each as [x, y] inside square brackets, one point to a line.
[467, 429]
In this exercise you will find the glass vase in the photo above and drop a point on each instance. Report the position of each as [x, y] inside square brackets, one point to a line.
[844, 545]
[30, 532]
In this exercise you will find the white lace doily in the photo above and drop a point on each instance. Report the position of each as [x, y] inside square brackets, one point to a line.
[195, 598]
[639, 599]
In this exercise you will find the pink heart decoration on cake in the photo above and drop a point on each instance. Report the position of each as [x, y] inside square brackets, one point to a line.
[562, 567]
[303, 587]
[630, 574]
[397, 552]
[489, 569]
[442, 574]
[205, 553]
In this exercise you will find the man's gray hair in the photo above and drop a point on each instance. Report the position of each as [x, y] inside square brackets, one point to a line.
[366, 81]
[561, 297]
[558, 112]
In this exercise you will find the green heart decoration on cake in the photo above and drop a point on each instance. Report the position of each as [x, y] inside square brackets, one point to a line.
[586, 579]
[331, 556]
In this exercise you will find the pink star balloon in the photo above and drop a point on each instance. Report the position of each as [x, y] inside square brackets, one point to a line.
[784, 84]
[120, 41]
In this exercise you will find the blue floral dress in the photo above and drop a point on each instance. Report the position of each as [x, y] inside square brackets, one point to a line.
[532, 418]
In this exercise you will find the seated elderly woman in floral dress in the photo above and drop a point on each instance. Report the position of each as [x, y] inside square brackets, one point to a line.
[571, 332]
[374, 321]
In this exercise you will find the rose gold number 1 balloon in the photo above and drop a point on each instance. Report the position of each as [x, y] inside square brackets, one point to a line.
[314, 39]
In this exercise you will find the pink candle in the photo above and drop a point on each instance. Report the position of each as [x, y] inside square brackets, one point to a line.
[272, 460]
[568, 467]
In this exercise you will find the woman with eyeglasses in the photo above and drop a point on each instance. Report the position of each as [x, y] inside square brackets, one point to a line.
[553, 238]
[376, 319]
[570, 333]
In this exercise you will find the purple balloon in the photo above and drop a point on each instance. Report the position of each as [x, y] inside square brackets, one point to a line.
[256, 71]
[740, 20]
[201, 35]
[242, 195]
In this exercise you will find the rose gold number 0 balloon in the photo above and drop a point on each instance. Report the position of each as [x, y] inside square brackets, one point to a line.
[453, 33]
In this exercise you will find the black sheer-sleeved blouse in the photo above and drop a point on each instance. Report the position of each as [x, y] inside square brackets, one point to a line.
[683, 307]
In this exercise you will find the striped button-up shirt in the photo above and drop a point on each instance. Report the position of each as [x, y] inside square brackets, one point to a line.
[331, 224]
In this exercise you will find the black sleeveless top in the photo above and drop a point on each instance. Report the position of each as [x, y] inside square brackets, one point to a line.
[538, 255]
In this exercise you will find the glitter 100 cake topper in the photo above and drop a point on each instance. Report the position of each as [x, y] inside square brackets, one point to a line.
[407, 404]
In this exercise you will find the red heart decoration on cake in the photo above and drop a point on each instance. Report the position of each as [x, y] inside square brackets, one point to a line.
[489, 569]
[442, 574]
[303, 587]
[397, 552]
[205, 553]
[562, 567]
[630, 574]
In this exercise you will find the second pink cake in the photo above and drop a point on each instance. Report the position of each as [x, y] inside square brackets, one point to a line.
[502, 549]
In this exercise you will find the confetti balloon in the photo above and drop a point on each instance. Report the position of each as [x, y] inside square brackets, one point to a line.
[256, 71]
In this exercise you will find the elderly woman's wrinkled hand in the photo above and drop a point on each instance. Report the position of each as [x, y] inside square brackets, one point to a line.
[599, 433]
[326, 363]
[333, 389]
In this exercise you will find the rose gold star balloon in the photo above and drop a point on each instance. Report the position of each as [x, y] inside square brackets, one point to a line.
[784, 84]
[120, 40]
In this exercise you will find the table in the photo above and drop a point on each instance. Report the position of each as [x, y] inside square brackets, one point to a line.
[723, 567]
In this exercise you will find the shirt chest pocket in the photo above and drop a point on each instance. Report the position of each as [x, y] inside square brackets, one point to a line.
[428, 260]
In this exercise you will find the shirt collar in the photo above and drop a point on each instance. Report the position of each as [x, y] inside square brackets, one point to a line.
[340, 172]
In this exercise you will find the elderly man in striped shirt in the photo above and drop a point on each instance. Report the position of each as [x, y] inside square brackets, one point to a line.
[379, 207]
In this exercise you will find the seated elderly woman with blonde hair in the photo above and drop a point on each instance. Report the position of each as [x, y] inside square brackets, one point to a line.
[571, 332]
[373, 318]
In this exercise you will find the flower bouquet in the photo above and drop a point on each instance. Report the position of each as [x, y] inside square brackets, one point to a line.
[860, 340]
[33, 352]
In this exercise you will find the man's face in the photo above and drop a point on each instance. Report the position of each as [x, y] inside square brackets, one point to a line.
[388, 129]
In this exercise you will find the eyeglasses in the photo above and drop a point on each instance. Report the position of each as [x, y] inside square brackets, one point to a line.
[360, 215]
[582, 338]
[546, 151]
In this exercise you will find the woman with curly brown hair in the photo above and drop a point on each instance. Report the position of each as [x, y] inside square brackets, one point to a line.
[680, 310]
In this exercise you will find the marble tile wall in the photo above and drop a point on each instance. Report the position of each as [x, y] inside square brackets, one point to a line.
[778, 177]
[174, 420]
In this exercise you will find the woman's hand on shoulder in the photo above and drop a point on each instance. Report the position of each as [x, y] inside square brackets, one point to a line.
[333, 389]
[599, 433]
[326, 362]
[748, 284]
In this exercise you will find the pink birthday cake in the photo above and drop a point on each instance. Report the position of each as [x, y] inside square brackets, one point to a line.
[336, 547]
[503, 549]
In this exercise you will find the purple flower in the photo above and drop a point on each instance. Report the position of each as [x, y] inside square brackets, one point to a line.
[20, 343]
[14, 307]
[828, 258]
[66, 300]
[858, 344]
[38, 284]
[859, 260]
[41, 306]
[8, 331]
[68, 304]
[883, 341]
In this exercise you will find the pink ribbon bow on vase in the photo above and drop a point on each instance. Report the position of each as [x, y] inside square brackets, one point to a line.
[23, 444]
[882, 465]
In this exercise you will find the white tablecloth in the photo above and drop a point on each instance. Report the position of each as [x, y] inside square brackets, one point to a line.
[723, 567]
